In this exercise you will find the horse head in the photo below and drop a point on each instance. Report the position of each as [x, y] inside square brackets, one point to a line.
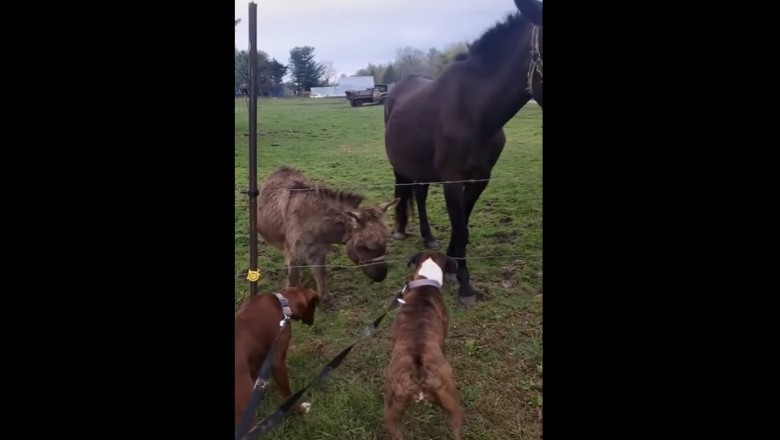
[532, 9]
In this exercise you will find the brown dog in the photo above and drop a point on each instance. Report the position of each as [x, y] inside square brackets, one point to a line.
[257, 324]
[418, 368]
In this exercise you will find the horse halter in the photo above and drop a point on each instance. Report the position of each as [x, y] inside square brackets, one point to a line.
[535, 64]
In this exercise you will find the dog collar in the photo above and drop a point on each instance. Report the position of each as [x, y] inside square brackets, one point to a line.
[422, 282]
[285, 308]
[415, 284]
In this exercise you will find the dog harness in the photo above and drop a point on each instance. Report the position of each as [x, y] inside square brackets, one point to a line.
[264, 374]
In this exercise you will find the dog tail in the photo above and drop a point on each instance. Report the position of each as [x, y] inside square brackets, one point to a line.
[419, 371]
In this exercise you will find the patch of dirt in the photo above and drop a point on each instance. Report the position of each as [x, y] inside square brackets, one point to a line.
[507, 274]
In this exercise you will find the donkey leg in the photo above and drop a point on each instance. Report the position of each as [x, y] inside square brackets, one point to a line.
[403, 192]
[454, 196]
[317, 260]
[293, 272]
[421, 195]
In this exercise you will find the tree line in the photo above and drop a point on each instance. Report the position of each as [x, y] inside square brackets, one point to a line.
[306, 72]
[303, 69]
[410, 60]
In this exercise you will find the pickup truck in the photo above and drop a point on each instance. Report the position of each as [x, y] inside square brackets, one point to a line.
[374, 95]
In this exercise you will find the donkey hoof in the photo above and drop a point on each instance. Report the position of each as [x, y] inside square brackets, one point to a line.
[451, 278]
[431, 244]
[467, 301]
[399, 235]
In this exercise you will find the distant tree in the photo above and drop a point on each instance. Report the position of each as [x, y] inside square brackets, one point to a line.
[450, 52]
[278, 70]
[411, 61]
[377, 71]
[306, 73]
[265, 78]
[329, 73]
[389, 76]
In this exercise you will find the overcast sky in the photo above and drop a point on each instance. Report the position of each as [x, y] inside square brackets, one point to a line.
[352, 33]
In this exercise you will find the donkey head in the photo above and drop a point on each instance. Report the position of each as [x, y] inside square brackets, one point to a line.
[367, 241]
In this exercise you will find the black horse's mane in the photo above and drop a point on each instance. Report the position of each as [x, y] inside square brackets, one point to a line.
[489, 45]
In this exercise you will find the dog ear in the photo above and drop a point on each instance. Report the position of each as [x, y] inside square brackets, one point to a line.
[303, 303]
[413, 259]
[311, 307]
[450, 265]
[309, 282]
[446, 263]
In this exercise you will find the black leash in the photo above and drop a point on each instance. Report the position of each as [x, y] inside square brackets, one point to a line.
[270, 421]
[263, 375]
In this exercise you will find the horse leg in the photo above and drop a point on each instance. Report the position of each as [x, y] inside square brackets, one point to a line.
[421, 195]
[471, 194]
[454, 197]
[403, 192]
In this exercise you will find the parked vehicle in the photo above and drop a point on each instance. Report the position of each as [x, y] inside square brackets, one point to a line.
[374, 95]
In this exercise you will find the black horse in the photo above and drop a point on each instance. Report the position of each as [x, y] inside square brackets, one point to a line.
[451, 128]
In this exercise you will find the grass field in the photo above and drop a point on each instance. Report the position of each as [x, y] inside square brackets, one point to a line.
[495, 347]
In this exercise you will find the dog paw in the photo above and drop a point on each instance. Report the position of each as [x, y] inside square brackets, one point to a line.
[306, 407]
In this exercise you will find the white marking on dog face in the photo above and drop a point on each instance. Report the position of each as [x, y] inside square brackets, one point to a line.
[419, 397]
[429, 269]
[306, 406]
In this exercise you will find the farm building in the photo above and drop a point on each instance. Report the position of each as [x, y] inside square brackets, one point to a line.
[348, 83]
[282, 91]
[276, 91]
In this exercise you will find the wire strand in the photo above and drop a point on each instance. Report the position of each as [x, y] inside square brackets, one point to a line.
[443, 182]
[360, 266]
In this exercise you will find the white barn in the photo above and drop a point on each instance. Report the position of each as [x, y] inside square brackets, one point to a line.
[348, 83]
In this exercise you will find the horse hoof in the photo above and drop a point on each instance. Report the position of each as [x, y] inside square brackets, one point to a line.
[467, 301]
[431, 244]
[451, 278]
[399, 235]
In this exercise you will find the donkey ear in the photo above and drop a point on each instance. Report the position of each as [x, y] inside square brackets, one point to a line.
[385, 206]
[413, 259]
[354, 218]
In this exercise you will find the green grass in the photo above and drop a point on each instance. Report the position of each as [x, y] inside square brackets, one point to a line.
[495, 347]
